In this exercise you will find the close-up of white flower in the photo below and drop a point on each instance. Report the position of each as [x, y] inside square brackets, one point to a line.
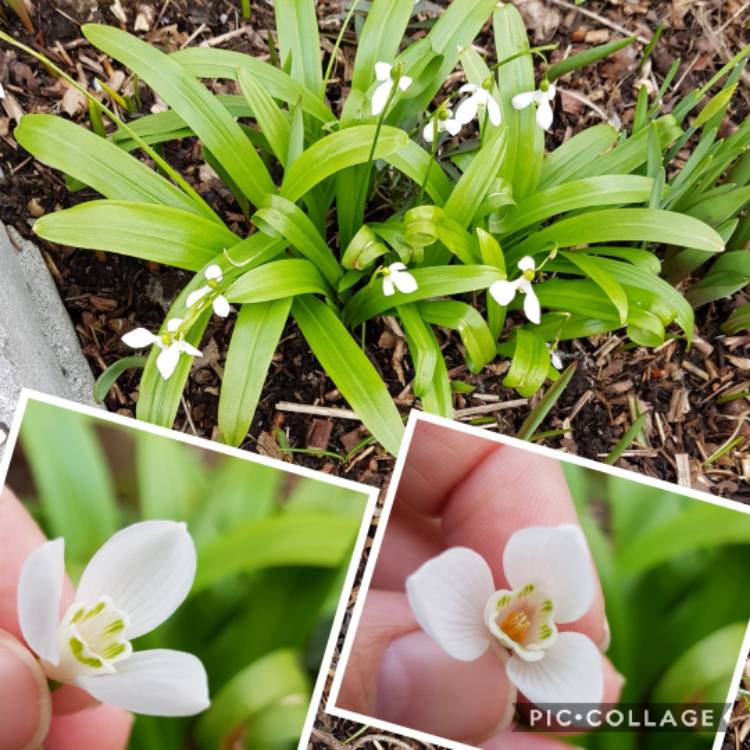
[478, 97]
[555, 358]
[550, 581]
[396, 277]
[542, 98]
[504, 291]
[132, 584]
[445, 123]
[384, 74]
[213, 277]
[171, 345]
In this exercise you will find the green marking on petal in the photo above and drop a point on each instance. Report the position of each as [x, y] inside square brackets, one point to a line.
[114, 650]
[526, 590]
[114, 627]
[78, 615]
[546, 607]
[95, 611]
[502, 601]
[77, 648]
[545, 632]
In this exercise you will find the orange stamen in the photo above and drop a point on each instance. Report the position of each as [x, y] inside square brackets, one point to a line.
[516, 625]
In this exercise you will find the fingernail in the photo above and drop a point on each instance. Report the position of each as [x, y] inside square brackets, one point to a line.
[25, 704]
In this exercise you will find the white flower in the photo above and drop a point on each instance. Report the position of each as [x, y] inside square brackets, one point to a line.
[2, 91]
[478, 97]
[505, 291]
[381, 94]
[396, 277]
[214, 276]
[446, 123]
[171, 345]
[555, 358]
[550, 575]
[543, 100]
[135, 581]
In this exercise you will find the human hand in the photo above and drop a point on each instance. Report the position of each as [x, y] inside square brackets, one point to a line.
[456, 490]
[31, 715]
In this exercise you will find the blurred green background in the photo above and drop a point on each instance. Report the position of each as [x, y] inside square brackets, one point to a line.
[676, 574]
[273, 551]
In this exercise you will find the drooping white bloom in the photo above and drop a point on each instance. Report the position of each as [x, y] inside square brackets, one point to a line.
[551, 581]
[2, 91]
[383, 73]
[170, 343]
[135, 581]
[478, 96]
[543, 101]
[445, 123]
[213, 276]
[505, 291]
[555, 358]
[396, 277]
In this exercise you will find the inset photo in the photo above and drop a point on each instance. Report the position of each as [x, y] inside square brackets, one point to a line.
[516, 597]
[160, 592]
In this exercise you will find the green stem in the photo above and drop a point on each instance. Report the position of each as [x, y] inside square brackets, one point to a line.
[339, 38]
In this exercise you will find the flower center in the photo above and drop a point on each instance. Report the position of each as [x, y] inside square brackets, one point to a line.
[529, 274]
[516, 625]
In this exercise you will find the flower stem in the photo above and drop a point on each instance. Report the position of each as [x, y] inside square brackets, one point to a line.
[332, 58]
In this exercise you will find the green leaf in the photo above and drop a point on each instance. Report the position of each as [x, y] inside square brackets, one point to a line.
[97, 163]
[271, 120]
[363, 250]
[562, 164]
[714, 105]
[422, 347]
[738, 321]
[256, 335]
[297, 28]
[546, 402]
[439, 398]
[311, 539]
[338, 151]
[204, 62]
[351, 371]
[193, 102]
[587, 57]
[530, 365]
[728, 274]
[142, 230]
[435, 281]
[108, 378]
[624, 442]
[278, 216]
[419, 166]
[72, 477]
[594, 268]
[277, 280]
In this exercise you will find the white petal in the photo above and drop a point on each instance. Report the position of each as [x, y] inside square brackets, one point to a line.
[521, 101]
[551, 91]
[2, 91]
[154, 683]
[221, 306]
[469, 88]
[570, 672]
[405, 282]
[213, 272]
[39, 590]
[526, 263]
[404, 82]
[380, 97]
[173, 324]
[531, 307]
[190, 349]
[544, 115]
[397, 266]
[167, 360]
[452, 126]
[467, 110]
[147, 569]
[448, 595]
[429, 131]
[139, 338]
[493, 110]
[196, 295]
[388, 288]
[554, 357]
[503, 291]
[383, 71]
[557, 559]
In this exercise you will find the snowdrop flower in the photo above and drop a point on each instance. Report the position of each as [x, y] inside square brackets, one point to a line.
[543, 101]
[396, 277]
[445, 122]
[171, 345]
[555, 358]
[213, 276]
[478, 97]
[551, 581]
[135, 581]
[504, 291]
[385, 74]
[2, 91]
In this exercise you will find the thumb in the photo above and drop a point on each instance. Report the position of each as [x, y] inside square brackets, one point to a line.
[25, 702]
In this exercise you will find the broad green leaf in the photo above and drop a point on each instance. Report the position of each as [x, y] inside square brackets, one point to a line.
[351, 371]
[426, 225]
[142, 230]
[193, 102]
[422, 347]
[435, 281]
[314, 539]
[560, 165]
[363, 250]
[337, 151]
[439, 398]
[419, 166]
[278, 216]
[738, 321]
[728, 274]
[587, 57]
[546, 402]
[645, 328]
[72, 477]
[254, 340]
[97, 163]
[277, 280]
[530, 365]
[476, 337]
[595, 269]
[297, 28]
[108, 378]
[714, 105]
[492, 255]
[622, 224]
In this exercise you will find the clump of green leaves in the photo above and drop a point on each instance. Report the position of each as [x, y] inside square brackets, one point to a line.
[576, 236]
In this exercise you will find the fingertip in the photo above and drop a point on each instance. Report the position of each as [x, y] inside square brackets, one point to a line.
[97, 728]
[68, 699]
